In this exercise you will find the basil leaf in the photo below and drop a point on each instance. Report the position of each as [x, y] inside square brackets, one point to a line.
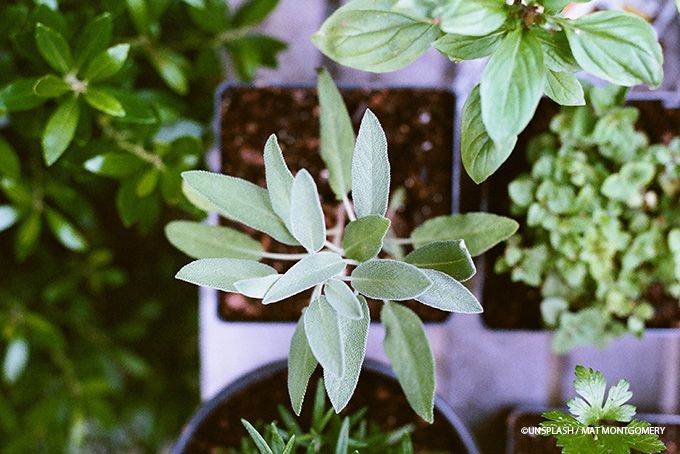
[323, 333]
[447, 294]
[342, 299]
[565, 89]
[240, 201]
[370, 169]
[54, 48]
[337, 135]
[103, 102]
[557, 54]
[450, 257]
[481, 156]
[512, 85]
[310, 271]
[279, 179]
[480, 231]
[363, 238]
[378, 40]
[389, 279]
[477, 18]
[306, 216]
[107, 63]
[301, 366]
[51, 86]
[618, 47]
[60, 129]
[221, 273]
[202, 241]
[409, 352]
[462, 47]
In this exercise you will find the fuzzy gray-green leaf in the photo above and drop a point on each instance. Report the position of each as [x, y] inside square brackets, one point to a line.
[306, 216]
[370, 169]
[279, 179]
[450, 257]
[342, 299]
[322, 328]
[363, 238]
[409, 352]
[301, 366]
[310, 271]
[202, 241]
[241, 201]
[447, 294]
[389, 280]
[337, 135]
[222, 273]
[256, 287]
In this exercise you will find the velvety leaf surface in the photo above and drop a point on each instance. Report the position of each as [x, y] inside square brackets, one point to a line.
[389, 279]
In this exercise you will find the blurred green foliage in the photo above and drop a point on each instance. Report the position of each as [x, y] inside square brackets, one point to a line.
[102, 105]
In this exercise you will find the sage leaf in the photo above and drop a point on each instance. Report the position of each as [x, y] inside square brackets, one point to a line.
[203, 241]
[408, 350]
[512, 85]
[369, 36]
[618, 47]
[54, 48]
[450, 257]
[480, 231]
[310, 271]
[241, 201]
[354, 335]
[363, 238]
[370, 169]
[480, 154]
[65, 232]
[16, 359]
[51, 86]
[565, 89]
[322, 328]
[477, 18]
[104, 102]
[107, 63]
[256, 287]
[221, 273]
[342, 299]
[279, 179]
[337, 135]
[389, 279]
[257, 438]
[60, 129]
[447, 294]
[462, 47]
[301, 366]
[306, 216]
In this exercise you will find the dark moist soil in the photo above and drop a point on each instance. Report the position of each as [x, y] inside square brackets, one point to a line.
[536, 444]
[419, 129]
[510, 305]
[382, 397]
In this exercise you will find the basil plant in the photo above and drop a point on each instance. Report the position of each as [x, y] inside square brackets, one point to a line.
[533, 51]
[344, 264]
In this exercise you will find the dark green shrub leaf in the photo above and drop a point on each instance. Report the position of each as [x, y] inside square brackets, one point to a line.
[310, 271]
[202, 241]
[252, 12]
[342, 299]
[253, 51]
[322, 329]
[565, 89]
[301, 366]
[450, 257]
[65, 232]
[107, 63]
[51, 86]
[54, 48]
[137, 110]
[480, 231]
[8, 217]
[279, 179]
[447, 294]
[481, 156]
[477, 18]
[370, 169]
[94, 39]
[408, 350]
[115, 165]
[211, 16]
[60, 129]
[618, 47]
[139, 12]
[172, 67]
[10, 166]
[462, 47]
[389, 279]
[16, 359]
[306, 216]
[104, 102]
[28, 235]
[363, 238]
[19, 95]
[260, 443]
[222, 273]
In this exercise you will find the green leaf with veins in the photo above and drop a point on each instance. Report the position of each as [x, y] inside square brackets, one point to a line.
[389, 279]
[322, 328]
[60, 129]
[478, 18]
[301, 366]
[363, 238]
[342, 299]
[591, 407]
[307, 222]
[565, 89]
[279, 179]
[54, 48]
[310, 271]
[450, 257]
[462, 47]
[370, 169]
[447, 294]
[221, 274]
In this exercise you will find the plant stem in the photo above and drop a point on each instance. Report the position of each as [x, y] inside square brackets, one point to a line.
[348, 208]
[275, 256]
[351, 262]
[334, 248]
[404, 241]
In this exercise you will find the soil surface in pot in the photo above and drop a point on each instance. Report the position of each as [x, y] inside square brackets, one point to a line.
[382, 397]
[419, 128]
[536, 444]
[510, 305]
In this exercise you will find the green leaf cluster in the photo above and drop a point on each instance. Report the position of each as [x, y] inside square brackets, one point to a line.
[601, 209]
[327, 432]
[343, 264]
[533, 50]
[591, 409]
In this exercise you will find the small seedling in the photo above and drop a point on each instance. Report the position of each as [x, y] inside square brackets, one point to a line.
[344, 264]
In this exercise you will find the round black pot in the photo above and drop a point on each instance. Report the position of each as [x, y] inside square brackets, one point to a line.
[462, 440]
